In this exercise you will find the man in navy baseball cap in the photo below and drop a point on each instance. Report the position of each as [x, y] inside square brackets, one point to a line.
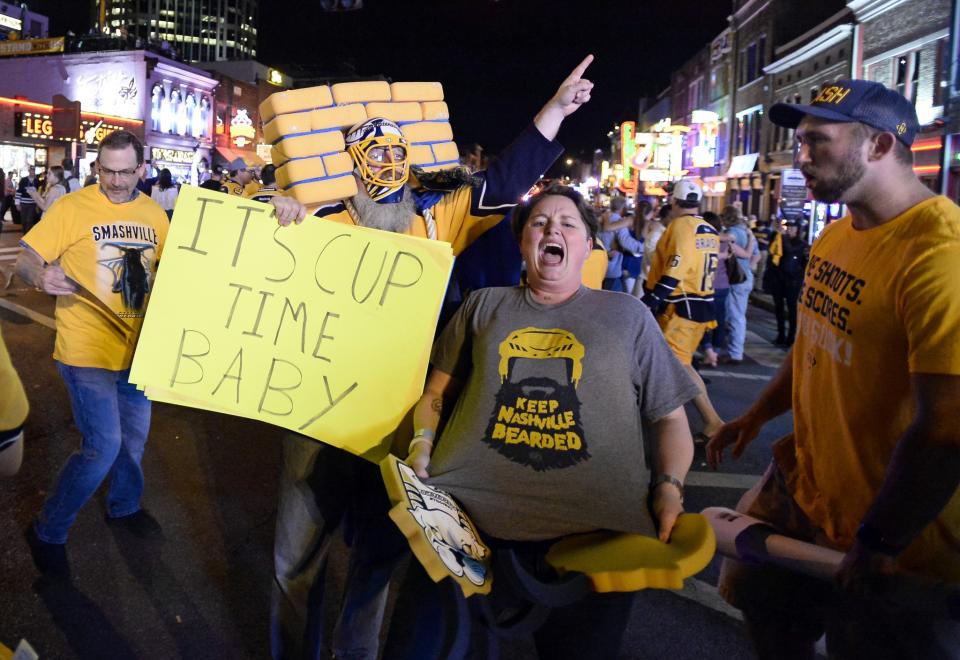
[860, 101]
[839, 130]
[872, 467]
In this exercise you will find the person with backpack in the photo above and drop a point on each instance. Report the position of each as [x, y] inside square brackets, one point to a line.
[70, 180]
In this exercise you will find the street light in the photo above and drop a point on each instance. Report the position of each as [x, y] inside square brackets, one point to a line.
[569, 161]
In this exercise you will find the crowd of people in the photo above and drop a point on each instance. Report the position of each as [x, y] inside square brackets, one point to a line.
[872, 467]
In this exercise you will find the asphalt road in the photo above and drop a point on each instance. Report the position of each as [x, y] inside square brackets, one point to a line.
[203, 589]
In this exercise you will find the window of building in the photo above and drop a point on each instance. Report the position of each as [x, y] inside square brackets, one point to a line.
[816, 66]
[718, 82]
[900, 81]
[941, 79]
[695, 95]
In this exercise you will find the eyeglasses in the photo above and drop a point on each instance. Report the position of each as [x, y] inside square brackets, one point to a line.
[387, 154]
[125, 174]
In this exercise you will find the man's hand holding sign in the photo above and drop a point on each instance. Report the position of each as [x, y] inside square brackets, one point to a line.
[286, 324]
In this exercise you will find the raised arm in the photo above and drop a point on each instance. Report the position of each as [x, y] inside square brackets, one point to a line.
[574, 91]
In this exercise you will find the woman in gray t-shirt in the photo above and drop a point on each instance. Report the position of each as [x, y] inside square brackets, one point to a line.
[546, 389]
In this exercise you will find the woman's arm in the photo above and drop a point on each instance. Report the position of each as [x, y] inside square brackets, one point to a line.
[740, 252]
[441, 388]
[674, 454]
[46, 201]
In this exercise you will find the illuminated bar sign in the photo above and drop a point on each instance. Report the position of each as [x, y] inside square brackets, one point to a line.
[10, 22]
[171, 155]
[628, 150]
[40, 126]
[31, 46]
[242, 131]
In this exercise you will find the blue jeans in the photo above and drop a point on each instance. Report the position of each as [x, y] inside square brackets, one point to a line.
[737, 301]
[113, 417]
[715, 338]
[323, 488]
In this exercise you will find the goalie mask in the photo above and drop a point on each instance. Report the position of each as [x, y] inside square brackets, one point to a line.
[379, 151]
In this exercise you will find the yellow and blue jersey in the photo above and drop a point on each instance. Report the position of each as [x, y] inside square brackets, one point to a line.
[683, 268]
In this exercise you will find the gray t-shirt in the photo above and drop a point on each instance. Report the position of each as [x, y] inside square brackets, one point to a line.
[545, 439]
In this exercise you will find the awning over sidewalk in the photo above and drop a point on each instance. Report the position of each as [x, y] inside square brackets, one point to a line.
[249, 157]
[741, 165]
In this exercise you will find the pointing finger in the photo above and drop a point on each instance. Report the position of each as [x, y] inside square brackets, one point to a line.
[577, 73]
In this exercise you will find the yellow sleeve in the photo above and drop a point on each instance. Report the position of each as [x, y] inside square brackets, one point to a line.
[595, 268]
[457, 224]
[13, 399]
[930, 310]
[54, 234]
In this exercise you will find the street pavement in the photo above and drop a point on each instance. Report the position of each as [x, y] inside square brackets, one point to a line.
[202, 590]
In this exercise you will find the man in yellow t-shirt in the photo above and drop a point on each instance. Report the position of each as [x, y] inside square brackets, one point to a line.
[97, 250]
[679, 287]
[873, 465]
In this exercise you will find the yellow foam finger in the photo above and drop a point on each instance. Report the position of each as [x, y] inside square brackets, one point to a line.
[416, 91]
[428, 131]
[399, 112]
[441, 535]
[435, 110]
[631, 562]
[361, 92]
[295, 100]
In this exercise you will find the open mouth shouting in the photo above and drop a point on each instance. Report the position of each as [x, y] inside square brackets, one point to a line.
[551, 253]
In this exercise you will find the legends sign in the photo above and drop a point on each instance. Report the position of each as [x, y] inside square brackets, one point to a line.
[321, 328]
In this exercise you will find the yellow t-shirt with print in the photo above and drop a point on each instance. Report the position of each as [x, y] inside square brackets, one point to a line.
[111, 250]
[877, 305]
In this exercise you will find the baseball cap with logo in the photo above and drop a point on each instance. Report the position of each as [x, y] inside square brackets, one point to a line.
[861, 101]
[686, 191]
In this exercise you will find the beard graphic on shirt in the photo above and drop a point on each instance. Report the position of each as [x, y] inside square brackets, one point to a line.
[536, 422]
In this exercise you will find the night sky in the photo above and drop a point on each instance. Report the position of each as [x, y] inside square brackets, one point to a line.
[498, 60]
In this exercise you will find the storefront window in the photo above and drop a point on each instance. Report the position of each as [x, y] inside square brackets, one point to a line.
[15, 158]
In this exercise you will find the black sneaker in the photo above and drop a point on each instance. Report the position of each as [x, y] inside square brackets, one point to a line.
[49, 558]
[141, 524]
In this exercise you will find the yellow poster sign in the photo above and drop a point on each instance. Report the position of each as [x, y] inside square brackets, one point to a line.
[321, 328]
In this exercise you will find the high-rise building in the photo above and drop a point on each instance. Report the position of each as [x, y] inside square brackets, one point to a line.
[199, 30]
